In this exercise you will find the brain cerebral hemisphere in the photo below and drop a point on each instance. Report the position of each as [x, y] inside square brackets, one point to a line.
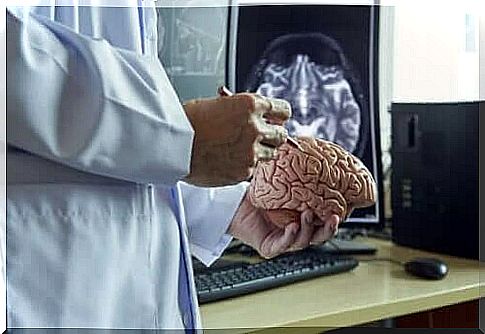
[325, 178]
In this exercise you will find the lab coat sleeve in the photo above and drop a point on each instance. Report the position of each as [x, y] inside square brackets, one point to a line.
[209, 212]
[86, 104]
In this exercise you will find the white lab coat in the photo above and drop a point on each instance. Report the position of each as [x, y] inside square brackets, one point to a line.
[99, 228]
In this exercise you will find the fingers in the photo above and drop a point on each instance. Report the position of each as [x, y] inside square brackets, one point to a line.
[266, 117]
[306, 231]
[299, 236]
[307, 216]
[272, 135]
[269, 115]
[263, 152]
[276, 111]
[268, 138]
[327, 231]
[318, 236]
[277, 243]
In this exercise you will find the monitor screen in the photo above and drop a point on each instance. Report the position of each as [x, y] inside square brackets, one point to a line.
[193, 48]
[323, 60]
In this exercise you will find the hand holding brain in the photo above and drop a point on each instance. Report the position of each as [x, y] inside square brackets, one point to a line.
[325, 179]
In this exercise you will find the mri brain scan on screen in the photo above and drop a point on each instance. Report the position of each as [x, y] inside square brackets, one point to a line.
[315, 83]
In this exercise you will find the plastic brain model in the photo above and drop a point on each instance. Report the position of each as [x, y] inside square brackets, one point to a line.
[323, 177]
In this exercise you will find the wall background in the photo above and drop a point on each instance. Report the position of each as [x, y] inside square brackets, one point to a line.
[436, 52]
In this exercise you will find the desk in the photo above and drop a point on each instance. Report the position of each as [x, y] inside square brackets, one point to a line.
[372, 291]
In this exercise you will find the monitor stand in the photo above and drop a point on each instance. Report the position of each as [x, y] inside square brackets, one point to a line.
[343, 244]
[345, 247]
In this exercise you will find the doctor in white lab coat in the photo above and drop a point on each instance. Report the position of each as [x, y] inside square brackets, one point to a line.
[101, 218]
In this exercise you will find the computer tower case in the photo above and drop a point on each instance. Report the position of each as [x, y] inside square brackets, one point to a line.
[435, 189]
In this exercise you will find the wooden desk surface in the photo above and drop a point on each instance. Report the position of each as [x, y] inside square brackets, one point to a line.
[372, 291]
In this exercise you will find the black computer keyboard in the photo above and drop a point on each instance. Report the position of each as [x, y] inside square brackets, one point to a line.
[243, 278]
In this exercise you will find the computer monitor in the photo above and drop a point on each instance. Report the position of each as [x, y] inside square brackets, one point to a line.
[323, 59]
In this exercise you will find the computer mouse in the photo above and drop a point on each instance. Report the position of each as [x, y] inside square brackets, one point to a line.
[429, 268]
